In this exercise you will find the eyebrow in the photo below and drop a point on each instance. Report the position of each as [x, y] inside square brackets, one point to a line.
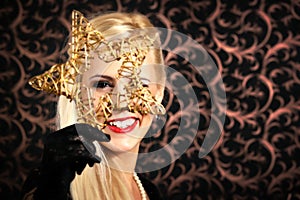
[112, 79]
[145, 79]
[102, 76]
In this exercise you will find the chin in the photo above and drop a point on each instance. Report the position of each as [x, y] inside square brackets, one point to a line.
[122, 147]
[121, 143]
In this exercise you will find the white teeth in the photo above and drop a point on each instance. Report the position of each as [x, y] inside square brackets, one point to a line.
[122, 124]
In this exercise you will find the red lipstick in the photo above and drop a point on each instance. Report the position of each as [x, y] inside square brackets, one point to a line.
[122, 125]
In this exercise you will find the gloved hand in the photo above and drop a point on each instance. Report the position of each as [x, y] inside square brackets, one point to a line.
[66, 152]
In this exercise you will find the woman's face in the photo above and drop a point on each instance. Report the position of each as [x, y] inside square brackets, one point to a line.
[125, 128]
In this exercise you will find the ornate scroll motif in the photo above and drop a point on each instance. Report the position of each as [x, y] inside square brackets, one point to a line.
[255, 44]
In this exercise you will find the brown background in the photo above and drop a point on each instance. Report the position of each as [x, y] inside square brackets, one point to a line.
[256, 46]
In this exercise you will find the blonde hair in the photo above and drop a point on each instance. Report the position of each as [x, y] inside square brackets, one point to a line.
[100, 181]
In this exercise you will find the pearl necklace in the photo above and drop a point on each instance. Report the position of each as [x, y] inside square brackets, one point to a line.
[140, 186]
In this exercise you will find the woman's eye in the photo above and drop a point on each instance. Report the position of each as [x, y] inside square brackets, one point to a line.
[145, 83]
[102, 84]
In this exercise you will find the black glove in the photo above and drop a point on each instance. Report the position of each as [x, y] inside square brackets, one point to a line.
[66, 152]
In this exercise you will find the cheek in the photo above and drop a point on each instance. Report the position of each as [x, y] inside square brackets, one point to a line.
[90, 106]
[83, 99]
[152, 89]
[92, 97]
[155, 91]
[146, 121]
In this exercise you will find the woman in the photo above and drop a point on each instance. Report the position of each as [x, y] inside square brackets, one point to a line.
[110, 89]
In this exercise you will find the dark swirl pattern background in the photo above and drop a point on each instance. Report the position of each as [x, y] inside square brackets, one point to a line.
[256, 46]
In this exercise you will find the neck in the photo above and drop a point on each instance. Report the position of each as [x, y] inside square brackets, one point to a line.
[126, 162]
[122, 161]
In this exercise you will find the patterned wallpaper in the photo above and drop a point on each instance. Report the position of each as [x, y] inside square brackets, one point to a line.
[256, 46]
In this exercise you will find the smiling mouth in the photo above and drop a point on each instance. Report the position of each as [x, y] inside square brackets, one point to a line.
[122, 125]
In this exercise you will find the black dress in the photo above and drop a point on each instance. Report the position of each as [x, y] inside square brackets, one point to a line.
[151, 189]
[32, 182]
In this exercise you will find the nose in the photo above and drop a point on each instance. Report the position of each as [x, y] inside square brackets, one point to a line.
[120, 95]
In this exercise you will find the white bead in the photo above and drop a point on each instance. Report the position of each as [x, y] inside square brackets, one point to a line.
[140, 186]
